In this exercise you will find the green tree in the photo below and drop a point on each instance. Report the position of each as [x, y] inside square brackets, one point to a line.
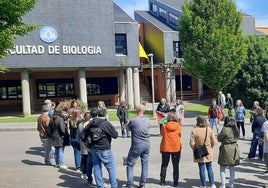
[11, 24]
[212, 41]
[250, 84]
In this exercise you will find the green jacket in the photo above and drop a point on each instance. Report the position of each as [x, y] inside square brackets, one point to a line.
[229, 151]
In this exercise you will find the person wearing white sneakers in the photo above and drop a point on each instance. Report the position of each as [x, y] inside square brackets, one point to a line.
[203, 134]
[229, 151]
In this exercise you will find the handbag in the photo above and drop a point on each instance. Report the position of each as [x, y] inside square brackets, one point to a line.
[201, 151]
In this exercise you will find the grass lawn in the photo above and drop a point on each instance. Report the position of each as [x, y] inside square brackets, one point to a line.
[197, 109]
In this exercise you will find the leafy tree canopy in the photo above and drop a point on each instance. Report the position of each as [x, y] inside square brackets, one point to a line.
[212, 41]
[250, 84]
[11, 24]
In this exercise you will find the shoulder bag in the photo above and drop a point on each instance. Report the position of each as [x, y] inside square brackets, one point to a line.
[201, 151]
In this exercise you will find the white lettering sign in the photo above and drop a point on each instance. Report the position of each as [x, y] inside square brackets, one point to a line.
[55, 50]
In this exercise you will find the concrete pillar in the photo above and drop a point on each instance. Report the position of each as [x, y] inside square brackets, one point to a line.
[122, 85]
[25, 89]
[82, 85]
[130, 98]
[136, 87]
[168, 78]
[173, 87]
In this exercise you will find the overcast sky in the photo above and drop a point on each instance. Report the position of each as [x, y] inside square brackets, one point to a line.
[256, 8]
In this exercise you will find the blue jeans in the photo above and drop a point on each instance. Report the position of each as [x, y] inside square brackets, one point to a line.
[124, 131]
[214, 121]
[223, 175]
[253, 148]
[59, 155]
[47, 146]
[202, 173]
[77, 155]
[133, 155]
[106, 158]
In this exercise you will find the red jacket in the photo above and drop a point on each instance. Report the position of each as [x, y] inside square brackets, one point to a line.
[219, 112]
[171, 137]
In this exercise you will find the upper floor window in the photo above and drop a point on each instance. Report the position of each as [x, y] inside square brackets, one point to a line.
[55, 88]
[10, 89]
[177, 49]
[121, 44]
[173, 19]
[162, 14]
[153, 8]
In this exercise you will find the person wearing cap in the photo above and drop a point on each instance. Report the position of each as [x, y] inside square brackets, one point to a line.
[44, 132]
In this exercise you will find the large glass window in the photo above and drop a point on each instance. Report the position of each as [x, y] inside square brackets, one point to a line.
[102, 86]
[121, 44]
[10, 89]
[55, 88]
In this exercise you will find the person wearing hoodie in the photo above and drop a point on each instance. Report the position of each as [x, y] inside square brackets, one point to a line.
[171, 147]
[101, 133]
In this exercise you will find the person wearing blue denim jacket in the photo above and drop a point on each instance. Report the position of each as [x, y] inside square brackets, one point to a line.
[240, 112]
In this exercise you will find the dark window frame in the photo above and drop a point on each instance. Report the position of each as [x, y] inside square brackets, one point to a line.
[12, 90]
[173, 19]
[121, 44]
[162, 14]
[55, 88]
[97, 86]
[177, 49]
[187, 83]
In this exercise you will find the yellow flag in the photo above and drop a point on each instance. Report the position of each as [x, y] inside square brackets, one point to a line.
[142, 52]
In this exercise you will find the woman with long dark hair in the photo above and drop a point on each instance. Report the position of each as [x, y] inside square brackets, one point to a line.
[229, 150]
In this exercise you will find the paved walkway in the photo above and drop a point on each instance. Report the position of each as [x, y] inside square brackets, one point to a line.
[27, 166]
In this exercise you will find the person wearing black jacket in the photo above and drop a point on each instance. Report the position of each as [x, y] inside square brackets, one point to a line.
[257, 135]
[101, 133]
[163, 106]
[229, 104]
[122, 114]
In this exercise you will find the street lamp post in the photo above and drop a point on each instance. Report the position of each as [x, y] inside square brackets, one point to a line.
[181, 79]
[180, 62]
[152, 80]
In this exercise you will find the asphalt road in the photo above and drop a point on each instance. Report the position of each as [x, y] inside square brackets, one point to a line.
[22, 162]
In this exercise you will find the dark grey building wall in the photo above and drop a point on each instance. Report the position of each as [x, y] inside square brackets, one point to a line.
[79, 23]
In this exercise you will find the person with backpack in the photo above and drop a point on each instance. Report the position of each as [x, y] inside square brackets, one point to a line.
[101, 132]
[214, 115]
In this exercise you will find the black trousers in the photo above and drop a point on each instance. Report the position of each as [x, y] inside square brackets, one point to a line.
[242, 125]
[175, 159]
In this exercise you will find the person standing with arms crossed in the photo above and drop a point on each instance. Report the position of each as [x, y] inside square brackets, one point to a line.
[140, 147]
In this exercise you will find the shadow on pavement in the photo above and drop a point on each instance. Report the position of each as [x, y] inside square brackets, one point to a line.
[32, 163]
[35, 151]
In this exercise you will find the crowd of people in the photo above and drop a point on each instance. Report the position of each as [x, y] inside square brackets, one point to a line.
[90, 134]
